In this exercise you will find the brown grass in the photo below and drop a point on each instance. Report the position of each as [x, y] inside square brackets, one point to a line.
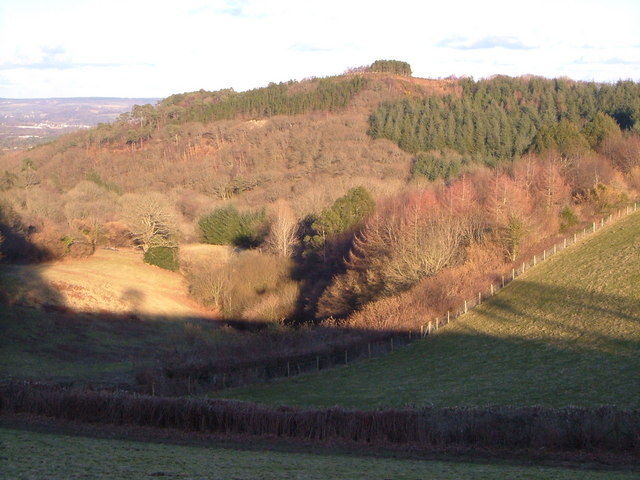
[109, 281]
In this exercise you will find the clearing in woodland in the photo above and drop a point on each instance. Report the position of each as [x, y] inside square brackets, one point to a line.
[567, 332]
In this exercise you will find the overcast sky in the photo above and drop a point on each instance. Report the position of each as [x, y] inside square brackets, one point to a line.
[155, 48]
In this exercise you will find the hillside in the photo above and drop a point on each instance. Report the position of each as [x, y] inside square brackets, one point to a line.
[97, 319]
[564, 333]
[360, 204]
[113, 281]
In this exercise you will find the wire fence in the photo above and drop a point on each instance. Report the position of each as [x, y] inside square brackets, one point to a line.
[192, 381]
[516, 271]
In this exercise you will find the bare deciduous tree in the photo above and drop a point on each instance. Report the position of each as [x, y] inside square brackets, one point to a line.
[150, 221]
[282, 236]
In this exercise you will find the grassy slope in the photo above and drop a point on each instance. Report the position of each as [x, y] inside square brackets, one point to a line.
[566, 333]
[43, 455]
[103, 343]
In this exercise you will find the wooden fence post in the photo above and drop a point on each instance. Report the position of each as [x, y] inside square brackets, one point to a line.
[465, 306]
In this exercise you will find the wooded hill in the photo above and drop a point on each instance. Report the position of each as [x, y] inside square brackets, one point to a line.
[359, 186]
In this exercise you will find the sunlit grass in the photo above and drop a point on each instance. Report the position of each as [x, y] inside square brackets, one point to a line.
[565, 333]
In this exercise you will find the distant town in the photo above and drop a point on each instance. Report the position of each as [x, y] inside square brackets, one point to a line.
[25, 123]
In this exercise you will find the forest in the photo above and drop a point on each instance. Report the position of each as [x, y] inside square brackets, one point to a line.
[371, 200]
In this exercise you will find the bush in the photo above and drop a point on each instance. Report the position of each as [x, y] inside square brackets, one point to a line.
[228, 226]
[346, 213]
[252, 286]
[568, 219]
[163, 257]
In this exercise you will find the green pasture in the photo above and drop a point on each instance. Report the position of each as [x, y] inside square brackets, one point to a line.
[28, 455]
[567, 332]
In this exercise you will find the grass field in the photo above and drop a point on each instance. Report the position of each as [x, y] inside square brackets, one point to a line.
[28, 455]
[93, 319]
[567, 332]
[108, 281]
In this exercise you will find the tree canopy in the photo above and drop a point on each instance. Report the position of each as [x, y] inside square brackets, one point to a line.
[499, 119]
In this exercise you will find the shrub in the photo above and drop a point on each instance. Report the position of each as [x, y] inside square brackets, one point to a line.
[228, 226]
[163, 257]
[568, 219]
[252, 286]
[346, 213]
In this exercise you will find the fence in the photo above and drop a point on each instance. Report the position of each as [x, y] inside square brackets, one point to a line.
[193, 379]
[563, 244]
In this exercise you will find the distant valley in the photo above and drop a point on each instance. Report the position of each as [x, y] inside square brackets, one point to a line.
[28, 122]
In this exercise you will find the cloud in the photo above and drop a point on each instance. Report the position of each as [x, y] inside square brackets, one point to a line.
[608, 61]
[55, 58]
[464, 43]
[304, 47]
[233, 8]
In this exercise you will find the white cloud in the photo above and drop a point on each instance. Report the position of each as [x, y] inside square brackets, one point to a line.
[156, 48]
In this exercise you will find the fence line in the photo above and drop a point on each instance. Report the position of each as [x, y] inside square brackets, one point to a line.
[566, 242]
[193, 380]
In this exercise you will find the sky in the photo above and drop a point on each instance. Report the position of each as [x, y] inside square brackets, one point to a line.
[155, 48]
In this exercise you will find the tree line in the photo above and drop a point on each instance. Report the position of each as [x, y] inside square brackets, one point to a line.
[496, 120]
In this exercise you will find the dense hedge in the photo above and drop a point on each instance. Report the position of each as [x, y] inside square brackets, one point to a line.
[583, 429]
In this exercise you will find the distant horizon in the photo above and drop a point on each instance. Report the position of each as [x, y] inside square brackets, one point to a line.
[87, 97]
[106, 97]
[147, 49]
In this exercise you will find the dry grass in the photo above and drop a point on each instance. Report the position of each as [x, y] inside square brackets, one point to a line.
[108, 282]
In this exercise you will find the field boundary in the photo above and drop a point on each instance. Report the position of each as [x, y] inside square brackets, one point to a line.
[606, 429]
[524, 266]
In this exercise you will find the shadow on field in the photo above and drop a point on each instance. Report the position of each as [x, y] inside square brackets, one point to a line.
[186, 355]
[578, 318]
